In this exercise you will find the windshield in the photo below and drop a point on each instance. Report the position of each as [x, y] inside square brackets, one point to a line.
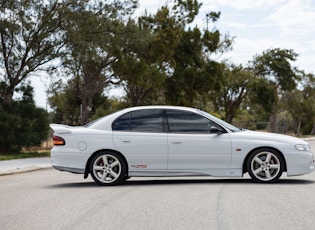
[220, 122]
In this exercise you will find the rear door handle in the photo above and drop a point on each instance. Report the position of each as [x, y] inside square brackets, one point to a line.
[125, 141]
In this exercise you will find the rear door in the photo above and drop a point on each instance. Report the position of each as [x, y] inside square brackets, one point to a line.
[139, 136]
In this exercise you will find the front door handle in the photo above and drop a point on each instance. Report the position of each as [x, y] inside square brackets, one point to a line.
[176, 142]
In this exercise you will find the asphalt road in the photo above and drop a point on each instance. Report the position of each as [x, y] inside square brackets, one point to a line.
[49, 199]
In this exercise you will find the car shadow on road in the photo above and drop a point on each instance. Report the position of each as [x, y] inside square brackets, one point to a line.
[176, 181]
[73, 185]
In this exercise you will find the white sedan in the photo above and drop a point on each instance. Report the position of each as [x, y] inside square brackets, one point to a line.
[174, 141]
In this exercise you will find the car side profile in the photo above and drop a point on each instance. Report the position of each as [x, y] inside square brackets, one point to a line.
[174, 141]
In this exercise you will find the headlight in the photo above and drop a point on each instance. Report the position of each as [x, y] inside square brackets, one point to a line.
[302, 147]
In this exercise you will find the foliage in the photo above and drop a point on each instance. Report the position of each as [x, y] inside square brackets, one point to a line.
[300, 104]
[143, 66]
[195, 73]
[236, 83]
[157, 58]
[30, 39]
[93, 34]
[67, 105]
[23, 154]
[23, 124]
[112, 105]
[274, 65]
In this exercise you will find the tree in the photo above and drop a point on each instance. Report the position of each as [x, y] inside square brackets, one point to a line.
[300, 104]
[275, 66]
[65, 103]
[143, 66]
[236, 83]
[148, 58]
[94, 33]
[195, 73]
[30, 39]
[18, 125]
[262, 98]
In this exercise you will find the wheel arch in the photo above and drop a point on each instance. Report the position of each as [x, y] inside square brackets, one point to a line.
[87, 166]
[263, 147]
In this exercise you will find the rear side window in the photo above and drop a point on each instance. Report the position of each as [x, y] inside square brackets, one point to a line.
[122, 123]
[146, 120]
[187, 122]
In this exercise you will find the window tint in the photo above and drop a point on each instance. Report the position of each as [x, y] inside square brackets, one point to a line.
[187, 122]
[147, 120]
[122, 123]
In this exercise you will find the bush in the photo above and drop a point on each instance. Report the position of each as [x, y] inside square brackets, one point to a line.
[21, 123]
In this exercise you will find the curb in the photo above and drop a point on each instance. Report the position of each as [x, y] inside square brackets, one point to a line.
[22, 170]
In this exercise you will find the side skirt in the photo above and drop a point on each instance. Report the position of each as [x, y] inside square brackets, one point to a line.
[166, 173]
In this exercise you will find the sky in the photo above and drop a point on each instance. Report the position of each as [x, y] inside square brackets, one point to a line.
[256, 25]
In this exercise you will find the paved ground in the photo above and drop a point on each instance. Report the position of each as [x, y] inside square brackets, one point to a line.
[49, 199]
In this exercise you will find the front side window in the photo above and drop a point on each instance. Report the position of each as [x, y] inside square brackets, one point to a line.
[146, 120]
[187, 122]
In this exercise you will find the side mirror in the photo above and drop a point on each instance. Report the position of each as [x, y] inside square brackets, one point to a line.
[217, 130]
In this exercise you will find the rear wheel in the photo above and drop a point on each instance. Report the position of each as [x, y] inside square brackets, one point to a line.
[265, 165]
[108, 168]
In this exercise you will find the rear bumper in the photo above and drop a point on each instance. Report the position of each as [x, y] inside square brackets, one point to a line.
[74, 162]
[66, 169]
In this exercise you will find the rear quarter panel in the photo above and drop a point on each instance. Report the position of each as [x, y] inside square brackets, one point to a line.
[80, 145]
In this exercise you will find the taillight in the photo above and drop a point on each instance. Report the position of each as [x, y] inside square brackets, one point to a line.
[58, 140]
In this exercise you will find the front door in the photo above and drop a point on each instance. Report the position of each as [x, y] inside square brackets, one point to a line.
[192, 146]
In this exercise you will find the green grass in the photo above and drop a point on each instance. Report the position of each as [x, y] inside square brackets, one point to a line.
[12, 156]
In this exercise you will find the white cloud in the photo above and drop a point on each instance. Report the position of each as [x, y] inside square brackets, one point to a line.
[246, 4]
[260, 25]
[150, 6]
[40, 85]
[245, 49]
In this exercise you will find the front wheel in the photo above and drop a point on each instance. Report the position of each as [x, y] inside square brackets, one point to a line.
[108, 168]
[265, 165]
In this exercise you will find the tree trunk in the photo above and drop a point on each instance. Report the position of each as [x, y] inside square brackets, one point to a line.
[7, 96]
[273, 122]
[229, 117]
[86, 109]
[299, 128]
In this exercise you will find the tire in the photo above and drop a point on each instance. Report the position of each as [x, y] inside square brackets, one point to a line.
[265, 165]
[108, 168]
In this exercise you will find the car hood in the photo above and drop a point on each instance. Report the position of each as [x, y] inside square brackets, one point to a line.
[265, 136]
